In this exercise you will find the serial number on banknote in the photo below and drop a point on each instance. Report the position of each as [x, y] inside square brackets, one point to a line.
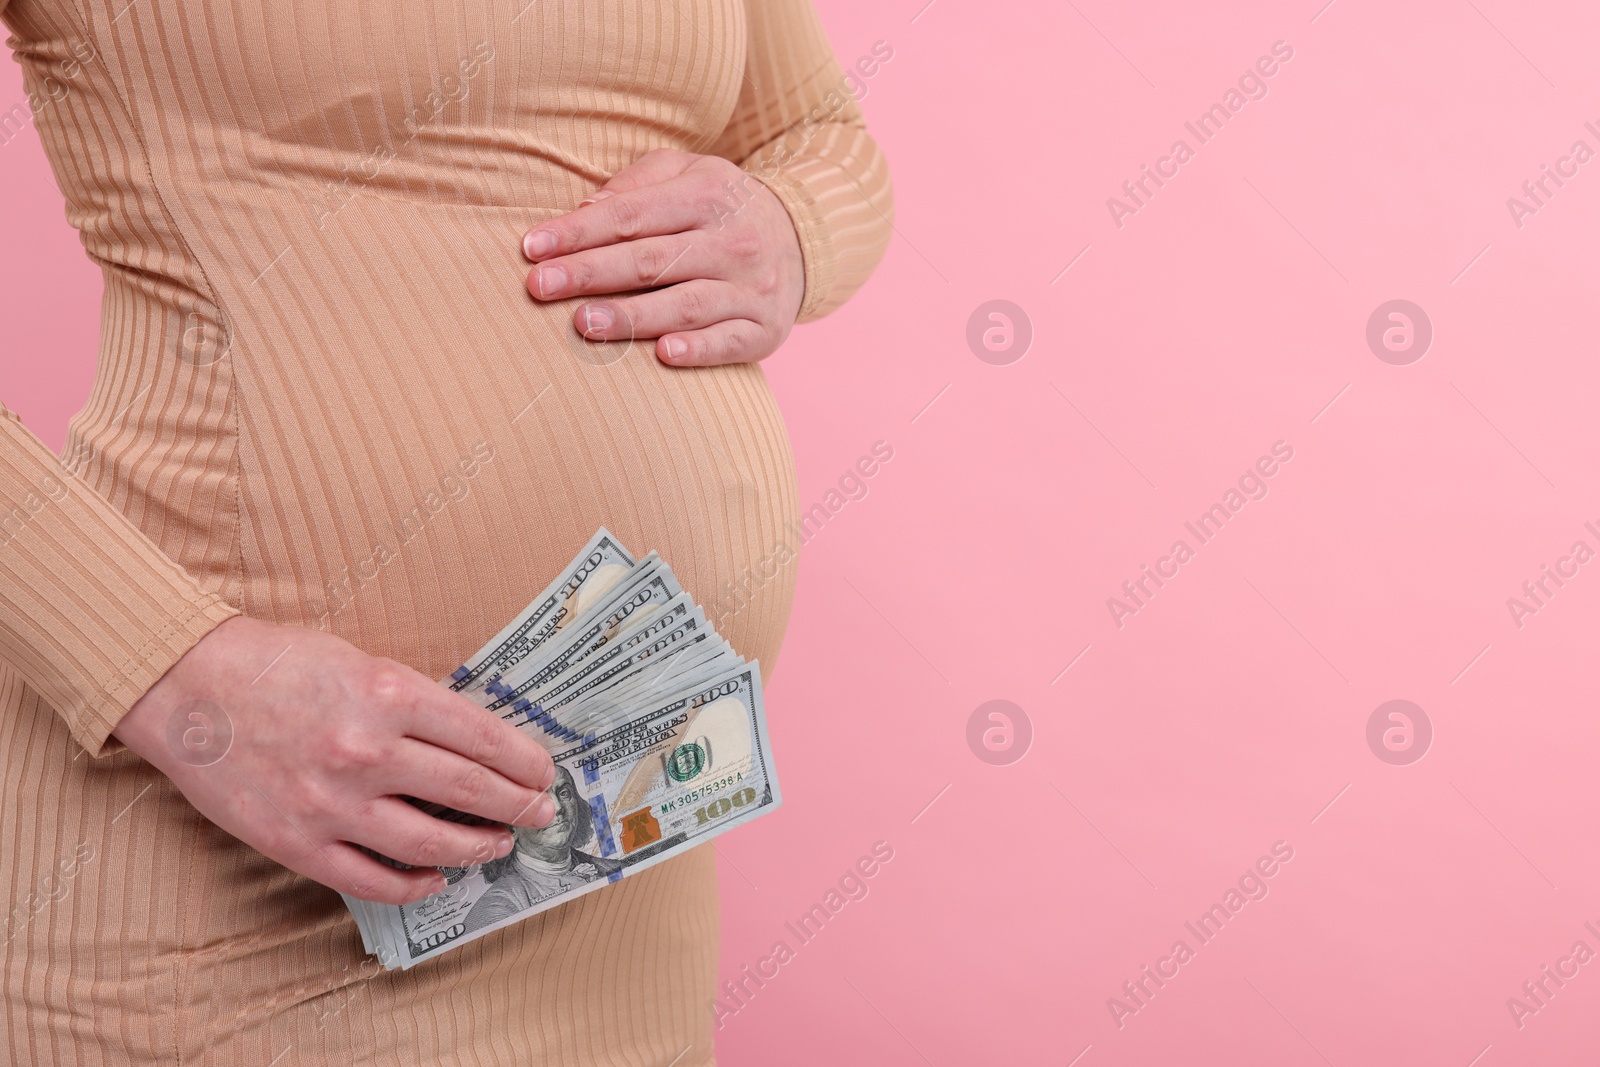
[696, 795]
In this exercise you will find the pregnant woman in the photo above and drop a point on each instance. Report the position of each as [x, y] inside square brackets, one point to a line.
[403, 300]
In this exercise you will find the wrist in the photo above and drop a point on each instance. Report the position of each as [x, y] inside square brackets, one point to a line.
[144, 729]
[818, 263]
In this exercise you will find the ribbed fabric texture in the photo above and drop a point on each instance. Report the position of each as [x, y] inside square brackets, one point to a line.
[325, 399]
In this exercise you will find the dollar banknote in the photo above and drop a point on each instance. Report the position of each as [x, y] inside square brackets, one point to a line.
[631, 603]
[595, 569]
[655, 724]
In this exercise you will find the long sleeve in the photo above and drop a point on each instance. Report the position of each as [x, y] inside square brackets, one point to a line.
[92, 613]
[799, 129]
[325, 398]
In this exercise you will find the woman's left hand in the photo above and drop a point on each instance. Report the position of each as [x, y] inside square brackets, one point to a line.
[718, 241]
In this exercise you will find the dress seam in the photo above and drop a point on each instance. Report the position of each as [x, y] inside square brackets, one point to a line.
[121, 99]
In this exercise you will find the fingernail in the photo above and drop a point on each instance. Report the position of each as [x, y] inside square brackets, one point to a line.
[538, 243]
[598, 194]
[674, 346]
[545, 814]
[597, 318]
[503, 847]
[551, 280]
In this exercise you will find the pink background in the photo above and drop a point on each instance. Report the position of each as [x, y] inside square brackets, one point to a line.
[1232, 709]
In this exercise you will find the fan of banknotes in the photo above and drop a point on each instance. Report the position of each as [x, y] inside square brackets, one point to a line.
[657, 730]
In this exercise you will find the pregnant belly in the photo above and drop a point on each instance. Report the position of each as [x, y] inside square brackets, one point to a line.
[422, 445]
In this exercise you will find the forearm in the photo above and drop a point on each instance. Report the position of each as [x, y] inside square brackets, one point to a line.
[92, 613]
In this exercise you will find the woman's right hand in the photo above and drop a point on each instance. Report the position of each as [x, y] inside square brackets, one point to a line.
[301, 745]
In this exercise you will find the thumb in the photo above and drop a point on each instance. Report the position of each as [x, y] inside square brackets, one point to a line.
[652, 168]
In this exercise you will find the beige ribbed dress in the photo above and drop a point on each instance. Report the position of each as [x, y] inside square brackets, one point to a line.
[325, 399]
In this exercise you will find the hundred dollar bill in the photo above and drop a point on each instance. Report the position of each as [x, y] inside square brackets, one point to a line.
[614, 663]
[536, 685]
[602, 561]
[694, 766]
[555, 710]
[580, 669]
[685, 668]
[664, 670]
[597, 708]
[633, 600]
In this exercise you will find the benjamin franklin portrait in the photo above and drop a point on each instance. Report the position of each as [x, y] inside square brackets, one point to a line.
[544, 863]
